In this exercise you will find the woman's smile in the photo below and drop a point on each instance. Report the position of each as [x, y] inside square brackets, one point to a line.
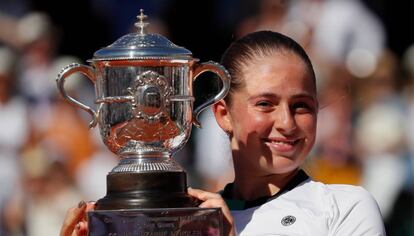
[282, 146]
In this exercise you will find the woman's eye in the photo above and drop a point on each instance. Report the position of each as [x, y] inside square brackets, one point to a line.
[263, 104]
[302, 107]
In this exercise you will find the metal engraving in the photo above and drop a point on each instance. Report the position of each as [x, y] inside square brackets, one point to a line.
[150, 92]
[191, 221]
[137, 41]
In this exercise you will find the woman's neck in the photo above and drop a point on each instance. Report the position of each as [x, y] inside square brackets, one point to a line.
[247, 187]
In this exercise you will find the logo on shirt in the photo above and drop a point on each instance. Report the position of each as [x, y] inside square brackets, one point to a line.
[288, 220]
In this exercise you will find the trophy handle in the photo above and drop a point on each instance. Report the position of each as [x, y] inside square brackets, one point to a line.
[66, 72]
[224, 76]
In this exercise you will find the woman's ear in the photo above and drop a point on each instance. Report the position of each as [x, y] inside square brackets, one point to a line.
[222, 114]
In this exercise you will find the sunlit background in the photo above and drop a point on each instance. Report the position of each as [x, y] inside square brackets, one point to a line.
[363, 54]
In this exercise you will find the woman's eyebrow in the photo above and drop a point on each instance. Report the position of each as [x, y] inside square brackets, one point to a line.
[273, 95]
[265, 94]
[304, 95]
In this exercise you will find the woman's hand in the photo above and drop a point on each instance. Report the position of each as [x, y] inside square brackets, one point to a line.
[75, 223]
[214, 200]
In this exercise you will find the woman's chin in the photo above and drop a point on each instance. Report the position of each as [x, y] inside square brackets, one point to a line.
[281, 165]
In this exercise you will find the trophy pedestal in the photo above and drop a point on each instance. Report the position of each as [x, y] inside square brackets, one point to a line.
[190, 221]
[128, 190]
[151, 204]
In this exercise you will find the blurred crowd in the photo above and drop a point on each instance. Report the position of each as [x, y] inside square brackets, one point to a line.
[49, 160]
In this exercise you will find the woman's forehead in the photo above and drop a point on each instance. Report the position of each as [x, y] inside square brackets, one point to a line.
[286, 72]
[274, 54]
[275, 63]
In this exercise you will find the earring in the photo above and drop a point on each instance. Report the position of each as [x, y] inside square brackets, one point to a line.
[228, 132]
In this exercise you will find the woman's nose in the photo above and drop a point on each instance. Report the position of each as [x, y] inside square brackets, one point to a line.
[285, 122]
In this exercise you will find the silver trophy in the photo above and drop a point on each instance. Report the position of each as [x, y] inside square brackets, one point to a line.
[144, 96]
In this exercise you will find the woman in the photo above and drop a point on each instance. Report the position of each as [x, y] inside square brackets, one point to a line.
[270, 117]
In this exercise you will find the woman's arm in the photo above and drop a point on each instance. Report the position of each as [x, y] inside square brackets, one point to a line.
[210, 200]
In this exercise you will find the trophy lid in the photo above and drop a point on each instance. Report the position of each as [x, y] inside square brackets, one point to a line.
[141, 45]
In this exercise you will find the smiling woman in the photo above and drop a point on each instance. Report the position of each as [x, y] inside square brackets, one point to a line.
[270, 117]
[278, 103]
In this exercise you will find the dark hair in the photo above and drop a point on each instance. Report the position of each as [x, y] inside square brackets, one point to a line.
[260, 43]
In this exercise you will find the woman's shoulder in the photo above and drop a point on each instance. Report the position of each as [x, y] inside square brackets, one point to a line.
[321, 190]
[338, 188]
[347, 207]
[340, 191]
[340, 195]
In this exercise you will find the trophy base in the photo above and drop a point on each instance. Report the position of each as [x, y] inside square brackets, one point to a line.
[146, 190]
[191, 221]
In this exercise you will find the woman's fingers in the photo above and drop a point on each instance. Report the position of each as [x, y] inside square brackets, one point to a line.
[202, 195]
[219, 203]
[209, 199]
[83, 226]
[90, 206]
[214, 200]
[81, 229]
[73, 216]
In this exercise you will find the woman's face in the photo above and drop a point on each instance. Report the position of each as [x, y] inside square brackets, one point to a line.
[273, 117]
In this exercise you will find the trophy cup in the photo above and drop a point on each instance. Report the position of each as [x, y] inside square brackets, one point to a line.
[143, 87]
